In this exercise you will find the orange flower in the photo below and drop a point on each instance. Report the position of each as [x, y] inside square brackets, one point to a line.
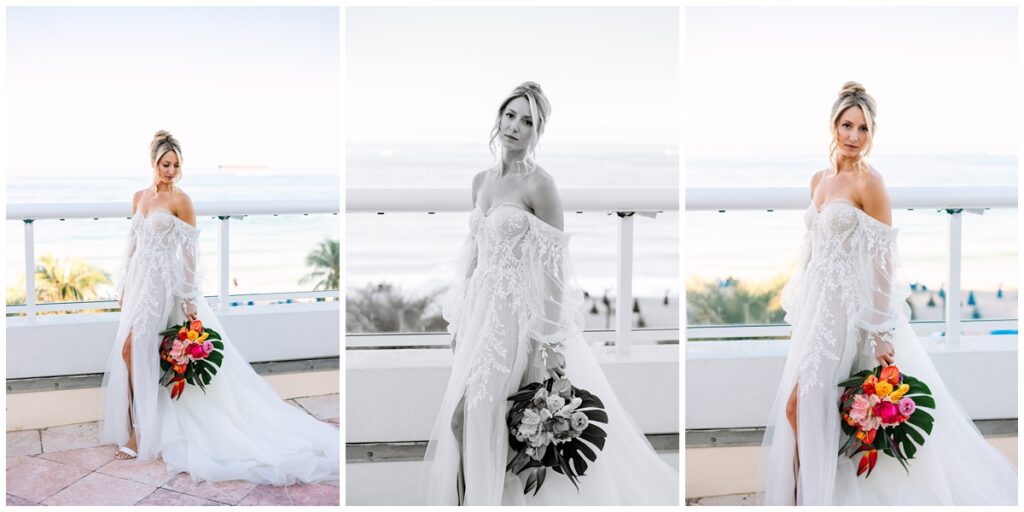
[891, 374]
[182, 333]
[196, 325]
[869, 384]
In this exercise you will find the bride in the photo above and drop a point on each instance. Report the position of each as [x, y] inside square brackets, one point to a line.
[849, 313]
[514, 312]
[239, 429]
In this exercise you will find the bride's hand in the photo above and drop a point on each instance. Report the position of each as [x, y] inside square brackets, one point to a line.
[556, 364]
[885, 353]
[190, 309]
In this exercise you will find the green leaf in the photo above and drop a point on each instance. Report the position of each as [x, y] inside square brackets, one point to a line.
[912, 433]
[924, 401]
[923, 420]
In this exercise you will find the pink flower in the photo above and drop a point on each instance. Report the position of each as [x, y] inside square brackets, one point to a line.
[176, 350]
[887, 412]
[859, 409]
[207, 347]
[907, 406]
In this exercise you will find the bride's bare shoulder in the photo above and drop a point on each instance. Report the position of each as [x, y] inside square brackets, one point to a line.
[181, 204]
[816, 179]
[137, 198]
[478, 181]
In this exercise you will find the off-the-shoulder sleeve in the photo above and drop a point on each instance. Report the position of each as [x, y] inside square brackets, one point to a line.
[126, 258]
[452, 307]
[555, 299]
[187, 281]
[883, 304]
[793, 291]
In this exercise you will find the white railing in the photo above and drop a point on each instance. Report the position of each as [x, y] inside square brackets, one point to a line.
[954, 200]
[624, 202]
[28, 213]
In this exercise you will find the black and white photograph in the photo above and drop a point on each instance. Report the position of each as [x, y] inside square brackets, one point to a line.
[512, 287]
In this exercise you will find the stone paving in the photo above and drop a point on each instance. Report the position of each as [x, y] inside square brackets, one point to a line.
[67, 465]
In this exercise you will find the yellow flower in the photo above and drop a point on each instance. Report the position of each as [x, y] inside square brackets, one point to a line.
[192, 335]
[203, 337]
[898, 393]
[883, 388]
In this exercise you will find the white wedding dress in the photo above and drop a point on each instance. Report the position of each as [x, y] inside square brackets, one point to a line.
[239, 429]
[514, 288]
[845, 290]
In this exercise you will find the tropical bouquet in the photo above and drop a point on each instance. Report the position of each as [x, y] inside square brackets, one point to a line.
[553, 424]
[189, 353]
[882, 410]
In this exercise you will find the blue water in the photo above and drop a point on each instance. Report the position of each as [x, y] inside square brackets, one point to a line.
[267, 253]
[756, 246]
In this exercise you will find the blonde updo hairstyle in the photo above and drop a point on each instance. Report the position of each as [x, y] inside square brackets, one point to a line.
[163, 142]
[540, 111]
[852, 94]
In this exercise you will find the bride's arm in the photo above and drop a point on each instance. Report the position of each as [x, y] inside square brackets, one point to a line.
[878, 315]
[451, 309]
[129, 251]
[185, 211]
[546, 354]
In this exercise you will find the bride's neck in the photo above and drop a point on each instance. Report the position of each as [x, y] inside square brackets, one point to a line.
[511, 160]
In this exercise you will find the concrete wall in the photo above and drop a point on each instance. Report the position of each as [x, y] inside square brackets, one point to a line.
[51, 345]
[732, 384]
[393, 395]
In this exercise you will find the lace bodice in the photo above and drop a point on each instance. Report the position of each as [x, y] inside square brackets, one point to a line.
[161, 258]
[514, 279]
[845, 279]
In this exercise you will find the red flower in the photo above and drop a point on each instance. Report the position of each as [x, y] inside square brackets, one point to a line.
[869, 436]
[867, 462]
[182, 333]
[196, 326]
[869, 384]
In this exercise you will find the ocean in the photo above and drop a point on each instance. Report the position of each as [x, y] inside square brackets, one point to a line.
[756, 246]
[418, 251]
[267, 253]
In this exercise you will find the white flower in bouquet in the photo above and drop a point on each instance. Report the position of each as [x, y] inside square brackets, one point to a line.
[579, 422]
[555, 403]
[567, 411]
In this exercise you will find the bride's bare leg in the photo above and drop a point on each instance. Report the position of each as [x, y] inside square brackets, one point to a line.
[133, 443]
[458, 422]
[791, 415]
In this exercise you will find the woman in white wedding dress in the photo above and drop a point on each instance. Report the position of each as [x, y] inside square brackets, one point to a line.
[514, 311]
[239, 429]
[848, 311]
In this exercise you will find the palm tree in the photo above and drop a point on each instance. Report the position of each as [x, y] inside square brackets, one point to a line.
[67, 279]
[325, 260]
[384, 308]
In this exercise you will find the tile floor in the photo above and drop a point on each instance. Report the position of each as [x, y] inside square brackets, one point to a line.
[67, 465]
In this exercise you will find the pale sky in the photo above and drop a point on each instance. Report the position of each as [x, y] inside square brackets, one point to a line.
[87, 87]
[945, 78]
[436, 75]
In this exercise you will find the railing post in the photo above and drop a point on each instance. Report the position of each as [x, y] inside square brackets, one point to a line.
[955, 251]
[30, 270]
[624, 297]
[224, 267]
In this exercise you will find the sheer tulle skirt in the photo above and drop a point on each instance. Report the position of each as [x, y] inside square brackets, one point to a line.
[239, 429]
[627, 472]
[955, 466]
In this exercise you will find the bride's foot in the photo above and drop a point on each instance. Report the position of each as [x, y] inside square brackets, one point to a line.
[127, 451]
